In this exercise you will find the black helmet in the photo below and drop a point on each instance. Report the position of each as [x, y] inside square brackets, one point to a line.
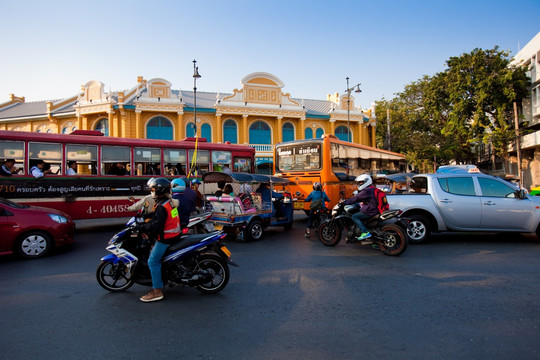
[160, 186]
[317, 186]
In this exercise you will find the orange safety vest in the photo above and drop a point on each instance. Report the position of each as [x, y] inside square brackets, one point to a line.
[172, 224]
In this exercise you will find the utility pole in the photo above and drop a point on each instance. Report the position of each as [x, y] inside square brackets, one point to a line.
[518, 144]
[388, 136]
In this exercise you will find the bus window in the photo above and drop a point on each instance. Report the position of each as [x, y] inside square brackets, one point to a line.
[115, 160]
[299, 157]
[147, 161]
[175, 161]
[50, 153]
[13, 150]
[202, 162]
[221, 159]
[242, 165]
[85, 156]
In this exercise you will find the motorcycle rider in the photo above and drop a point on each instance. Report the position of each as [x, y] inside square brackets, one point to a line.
[317, 195]
[368, 204]
[163, 227]
[178, 188]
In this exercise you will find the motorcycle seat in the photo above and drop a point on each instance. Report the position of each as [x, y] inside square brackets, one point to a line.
[188, 240]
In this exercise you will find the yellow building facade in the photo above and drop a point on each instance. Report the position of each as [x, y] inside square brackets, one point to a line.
[259, 114]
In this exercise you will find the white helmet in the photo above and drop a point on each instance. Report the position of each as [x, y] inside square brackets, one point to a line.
[363, 181]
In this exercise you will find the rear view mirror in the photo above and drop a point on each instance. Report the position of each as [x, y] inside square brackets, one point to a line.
[521, 194]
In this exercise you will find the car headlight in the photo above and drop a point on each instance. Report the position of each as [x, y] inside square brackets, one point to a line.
[58, 218]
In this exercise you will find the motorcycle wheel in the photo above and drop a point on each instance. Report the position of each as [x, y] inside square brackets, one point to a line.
[114, 277]
[329, 233]
[219, 269]
[394, 240]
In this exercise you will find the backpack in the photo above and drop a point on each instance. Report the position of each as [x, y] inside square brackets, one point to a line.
[382, 201]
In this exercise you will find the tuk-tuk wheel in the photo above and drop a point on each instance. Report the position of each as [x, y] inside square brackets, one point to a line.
[254, 230]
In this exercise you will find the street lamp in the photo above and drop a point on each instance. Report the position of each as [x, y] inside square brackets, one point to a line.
[356, 89]
[195, 77]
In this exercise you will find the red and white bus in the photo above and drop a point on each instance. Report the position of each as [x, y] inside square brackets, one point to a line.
[108, 170]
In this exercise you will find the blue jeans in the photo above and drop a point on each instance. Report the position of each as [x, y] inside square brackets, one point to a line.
[154, 263]
[357, 219]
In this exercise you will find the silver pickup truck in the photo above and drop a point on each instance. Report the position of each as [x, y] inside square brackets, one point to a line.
[466, 202]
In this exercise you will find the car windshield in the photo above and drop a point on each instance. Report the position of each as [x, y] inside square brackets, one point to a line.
[12, 204]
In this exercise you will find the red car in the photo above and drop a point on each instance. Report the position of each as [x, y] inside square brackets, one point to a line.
[31, 231]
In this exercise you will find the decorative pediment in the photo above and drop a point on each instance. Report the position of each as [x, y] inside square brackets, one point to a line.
[159, 88]
[263, 89]
[93, 91]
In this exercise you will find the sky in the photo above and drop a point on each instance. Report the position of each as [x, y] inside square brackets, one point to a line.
[51, 48]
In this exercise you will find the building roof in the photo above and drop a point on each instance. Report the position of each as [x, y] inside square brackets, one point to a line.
[205, 101]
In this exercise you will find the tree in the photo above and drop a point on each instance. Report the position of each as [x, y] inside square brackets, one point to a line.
[479, 91]
[447, 115]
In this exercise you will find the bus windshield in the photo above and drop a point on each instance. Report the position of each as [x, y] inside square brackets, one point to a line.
[304, 156]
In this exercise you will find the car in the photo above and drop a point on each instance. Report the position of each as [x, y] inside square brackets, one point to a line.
[466, 201]
[30, 231]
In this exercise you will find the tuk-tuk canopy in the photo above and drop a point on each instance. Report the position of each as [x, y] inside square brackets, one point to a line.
[238, 177]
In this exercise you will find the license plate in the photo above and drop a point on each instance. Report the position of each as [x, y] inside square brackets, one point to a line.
[299, 205]
[218, 226]
[226, 251]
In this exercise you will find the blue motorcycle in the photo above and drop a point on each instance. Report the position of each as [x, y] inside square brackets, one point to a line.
[200, 261]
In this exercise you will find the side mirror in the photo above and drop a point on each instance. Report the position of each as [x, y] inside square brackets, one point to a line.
[521, 194]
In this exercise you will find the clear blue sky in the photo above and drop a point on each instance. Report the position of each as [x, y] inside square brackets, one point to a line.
[51, 48]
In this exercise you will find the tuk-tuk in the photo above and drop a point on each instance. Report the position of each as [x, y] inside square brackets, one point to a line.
[252, 203]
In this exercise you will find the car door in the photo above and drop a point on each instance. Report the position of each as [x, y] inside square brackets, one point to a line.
[6, 228]
[458, 203]
[502, 209]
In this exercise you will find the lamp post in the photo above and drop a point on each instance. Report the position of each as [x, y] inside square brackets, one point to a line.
[356, 89]
[195, 77]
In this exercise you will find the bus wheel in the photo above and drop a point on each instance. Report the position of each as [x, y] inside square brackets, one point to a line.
[253, 231]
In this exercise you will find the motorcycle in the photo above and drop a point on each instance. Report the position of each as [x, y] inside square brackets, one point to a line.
[200, 261]
[199, 224]
[319, 216]
[390, 238]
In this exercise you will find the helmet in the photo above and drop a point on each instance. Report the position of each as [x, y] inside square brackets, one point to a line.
[195, 181]
[178, 185]
[363, 181]
[317, 186]
[159, 186]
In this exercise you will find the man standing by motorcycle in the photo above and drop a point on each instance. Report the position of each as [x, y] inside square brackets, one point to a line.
[368, 204]
[163, 227]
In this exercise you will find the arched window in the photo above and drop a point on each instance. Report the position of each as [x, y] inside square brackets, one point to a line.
[103, 126]
[206, 132]
[230, 132]
[319, 132]
[342, 133]
[259, 133]
[68, 128]
[190, 129]
[308, 133]
[159, 127]
[288, 132]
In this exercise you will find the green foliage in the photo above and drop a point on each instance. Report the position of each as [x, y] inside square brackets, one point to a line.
[445, 115]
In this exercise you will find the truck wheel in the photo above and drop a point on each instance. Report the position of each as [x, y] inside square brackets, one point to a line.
[419, 229]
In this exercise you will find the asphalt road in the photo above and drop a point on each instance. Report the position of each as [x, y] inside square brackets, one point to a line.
[457, 297]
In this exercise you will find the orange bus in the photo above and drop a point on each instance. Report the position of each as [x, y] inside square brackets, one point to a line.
[332, 162]
[93, 176]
